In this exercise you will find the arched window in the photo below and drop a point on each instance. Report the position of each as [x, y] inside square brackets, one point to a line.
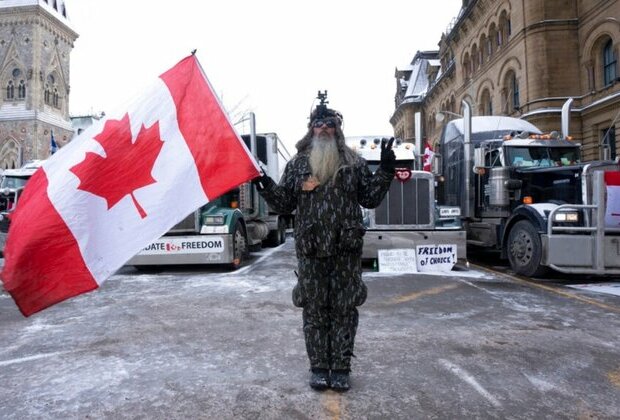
[514, 86]
[510, 93]
[51, 95]
[609, 63]
[504, 28]
[482, 52]
[466, 67]
[486, 105]
[10, 90]
[474, 58]
[15, 80]
[491, 40]
[21, 90]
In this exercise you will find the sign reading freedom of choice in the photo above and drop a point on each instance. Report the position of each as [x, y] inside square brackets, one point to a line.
[435, 257]
[424, 258]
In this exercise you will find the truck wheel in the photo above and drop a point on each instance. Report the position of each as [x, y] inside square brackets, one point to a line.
[278, 236]
[240, 246]
[525, 250]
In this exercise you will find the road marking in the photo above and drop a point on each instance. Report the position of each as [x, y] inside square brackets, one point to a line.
[428, 292]
[465, 376]
[332, 401]
[29, 358]
[550, 289]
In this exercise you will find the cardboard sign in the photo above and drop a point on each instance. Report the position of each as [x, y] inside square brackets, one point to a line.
[396, 260]
[435, 257]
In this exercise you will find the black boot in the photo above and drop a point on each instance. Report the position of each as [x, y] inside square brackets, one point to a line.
[339, 380]
[319, 379]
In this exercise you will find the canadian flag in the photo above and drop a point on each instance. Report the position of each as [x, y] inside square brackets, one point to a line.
[119, 186]
[427, 157]
[612, 211]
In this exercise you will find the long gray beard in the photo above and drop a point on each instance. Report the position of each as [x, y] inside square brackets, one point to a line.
[324, 159]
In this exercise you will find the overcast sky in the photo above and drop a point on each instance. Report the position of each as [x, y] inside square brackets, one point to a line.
[266, 56]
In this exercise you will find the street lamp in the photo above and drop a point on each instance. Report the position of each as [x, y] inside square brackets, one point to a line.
[441, 115]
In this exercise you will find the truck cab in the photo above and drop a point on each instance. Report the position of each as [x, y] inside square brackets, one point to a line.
[528, 194]
[408, 215]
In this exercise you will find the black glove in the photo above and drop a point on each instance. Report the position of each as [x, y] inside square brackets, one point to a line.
[388, 158]
[262, 182]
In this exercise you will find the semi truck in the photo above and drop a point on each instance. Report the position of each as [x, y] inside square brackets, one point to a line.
[528, 194]
[408, 216]
[226, 229]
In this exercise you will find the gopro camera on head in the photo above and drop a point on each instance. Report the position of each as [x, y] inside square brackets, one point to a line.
[321, 108]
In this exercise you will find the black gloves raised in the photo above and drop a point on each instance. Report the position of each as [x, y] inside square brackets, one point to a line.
[262, 182]
[388, 158]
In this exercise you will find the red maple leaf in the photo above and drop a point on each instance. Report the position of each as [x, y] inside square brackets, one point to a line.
[127, 165]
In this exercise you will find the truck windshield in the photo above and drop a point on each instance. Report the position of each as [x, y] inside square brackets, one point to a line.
[13, 182]
[542, 156]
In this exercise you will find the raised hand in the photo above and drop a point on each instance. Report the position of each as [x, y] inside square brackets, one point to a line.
[388, 158]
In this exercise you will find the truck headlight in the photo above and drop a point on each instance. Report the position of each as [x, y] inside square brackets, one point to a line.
[217, 219]
[449, 211]
[566, 216]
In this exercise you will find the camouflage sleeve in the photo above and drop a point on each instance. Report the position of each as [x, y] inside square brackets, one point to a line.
[282, 197]
[372, 187]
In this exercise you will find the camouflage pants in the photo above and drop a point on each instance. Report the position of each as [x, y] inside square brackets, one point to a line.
[328, 290]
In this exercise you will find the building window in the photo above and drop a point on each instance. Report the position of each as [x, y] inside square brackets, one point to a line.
[466, 67]
[474, 58]
[21, 90]
[12, 84]
[492, 40]
[51, 95]
[10, 90]
[504, 28]
[486, 105]
[609, 141]
[609, 63]
[514, 86]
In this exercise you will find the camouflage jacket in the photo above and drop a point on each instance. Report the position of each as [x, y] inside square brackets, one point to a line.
[328, 219]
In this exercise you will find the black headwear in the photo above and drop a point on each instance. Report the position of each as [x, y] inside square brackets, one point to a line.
[322, 112]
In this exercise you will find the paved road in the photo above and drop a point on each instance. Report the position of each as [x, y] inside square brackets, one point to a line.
[204, 343]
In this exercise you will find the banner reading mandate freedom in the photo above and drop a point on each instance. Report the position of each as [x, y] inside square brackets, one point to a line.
[120, 186]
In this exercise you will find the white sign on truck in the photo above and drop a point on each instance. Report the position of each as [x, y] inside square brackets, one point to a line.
[185, 244]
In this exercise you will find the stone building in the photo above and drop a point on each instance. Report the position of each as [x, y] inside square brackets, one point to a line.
[36, 39]
[522, 58]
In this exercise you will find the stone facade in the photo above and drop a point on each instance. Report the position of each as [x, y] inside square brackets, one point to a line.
[525, 58]
[36, 40]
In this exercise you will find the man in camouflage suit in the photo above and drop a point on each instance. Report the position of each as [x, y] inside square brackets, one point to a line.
[326, 182]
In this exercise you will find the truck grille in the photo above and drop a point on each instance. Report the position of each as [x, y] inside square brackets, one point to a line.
[407, 203]
[189, 224]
